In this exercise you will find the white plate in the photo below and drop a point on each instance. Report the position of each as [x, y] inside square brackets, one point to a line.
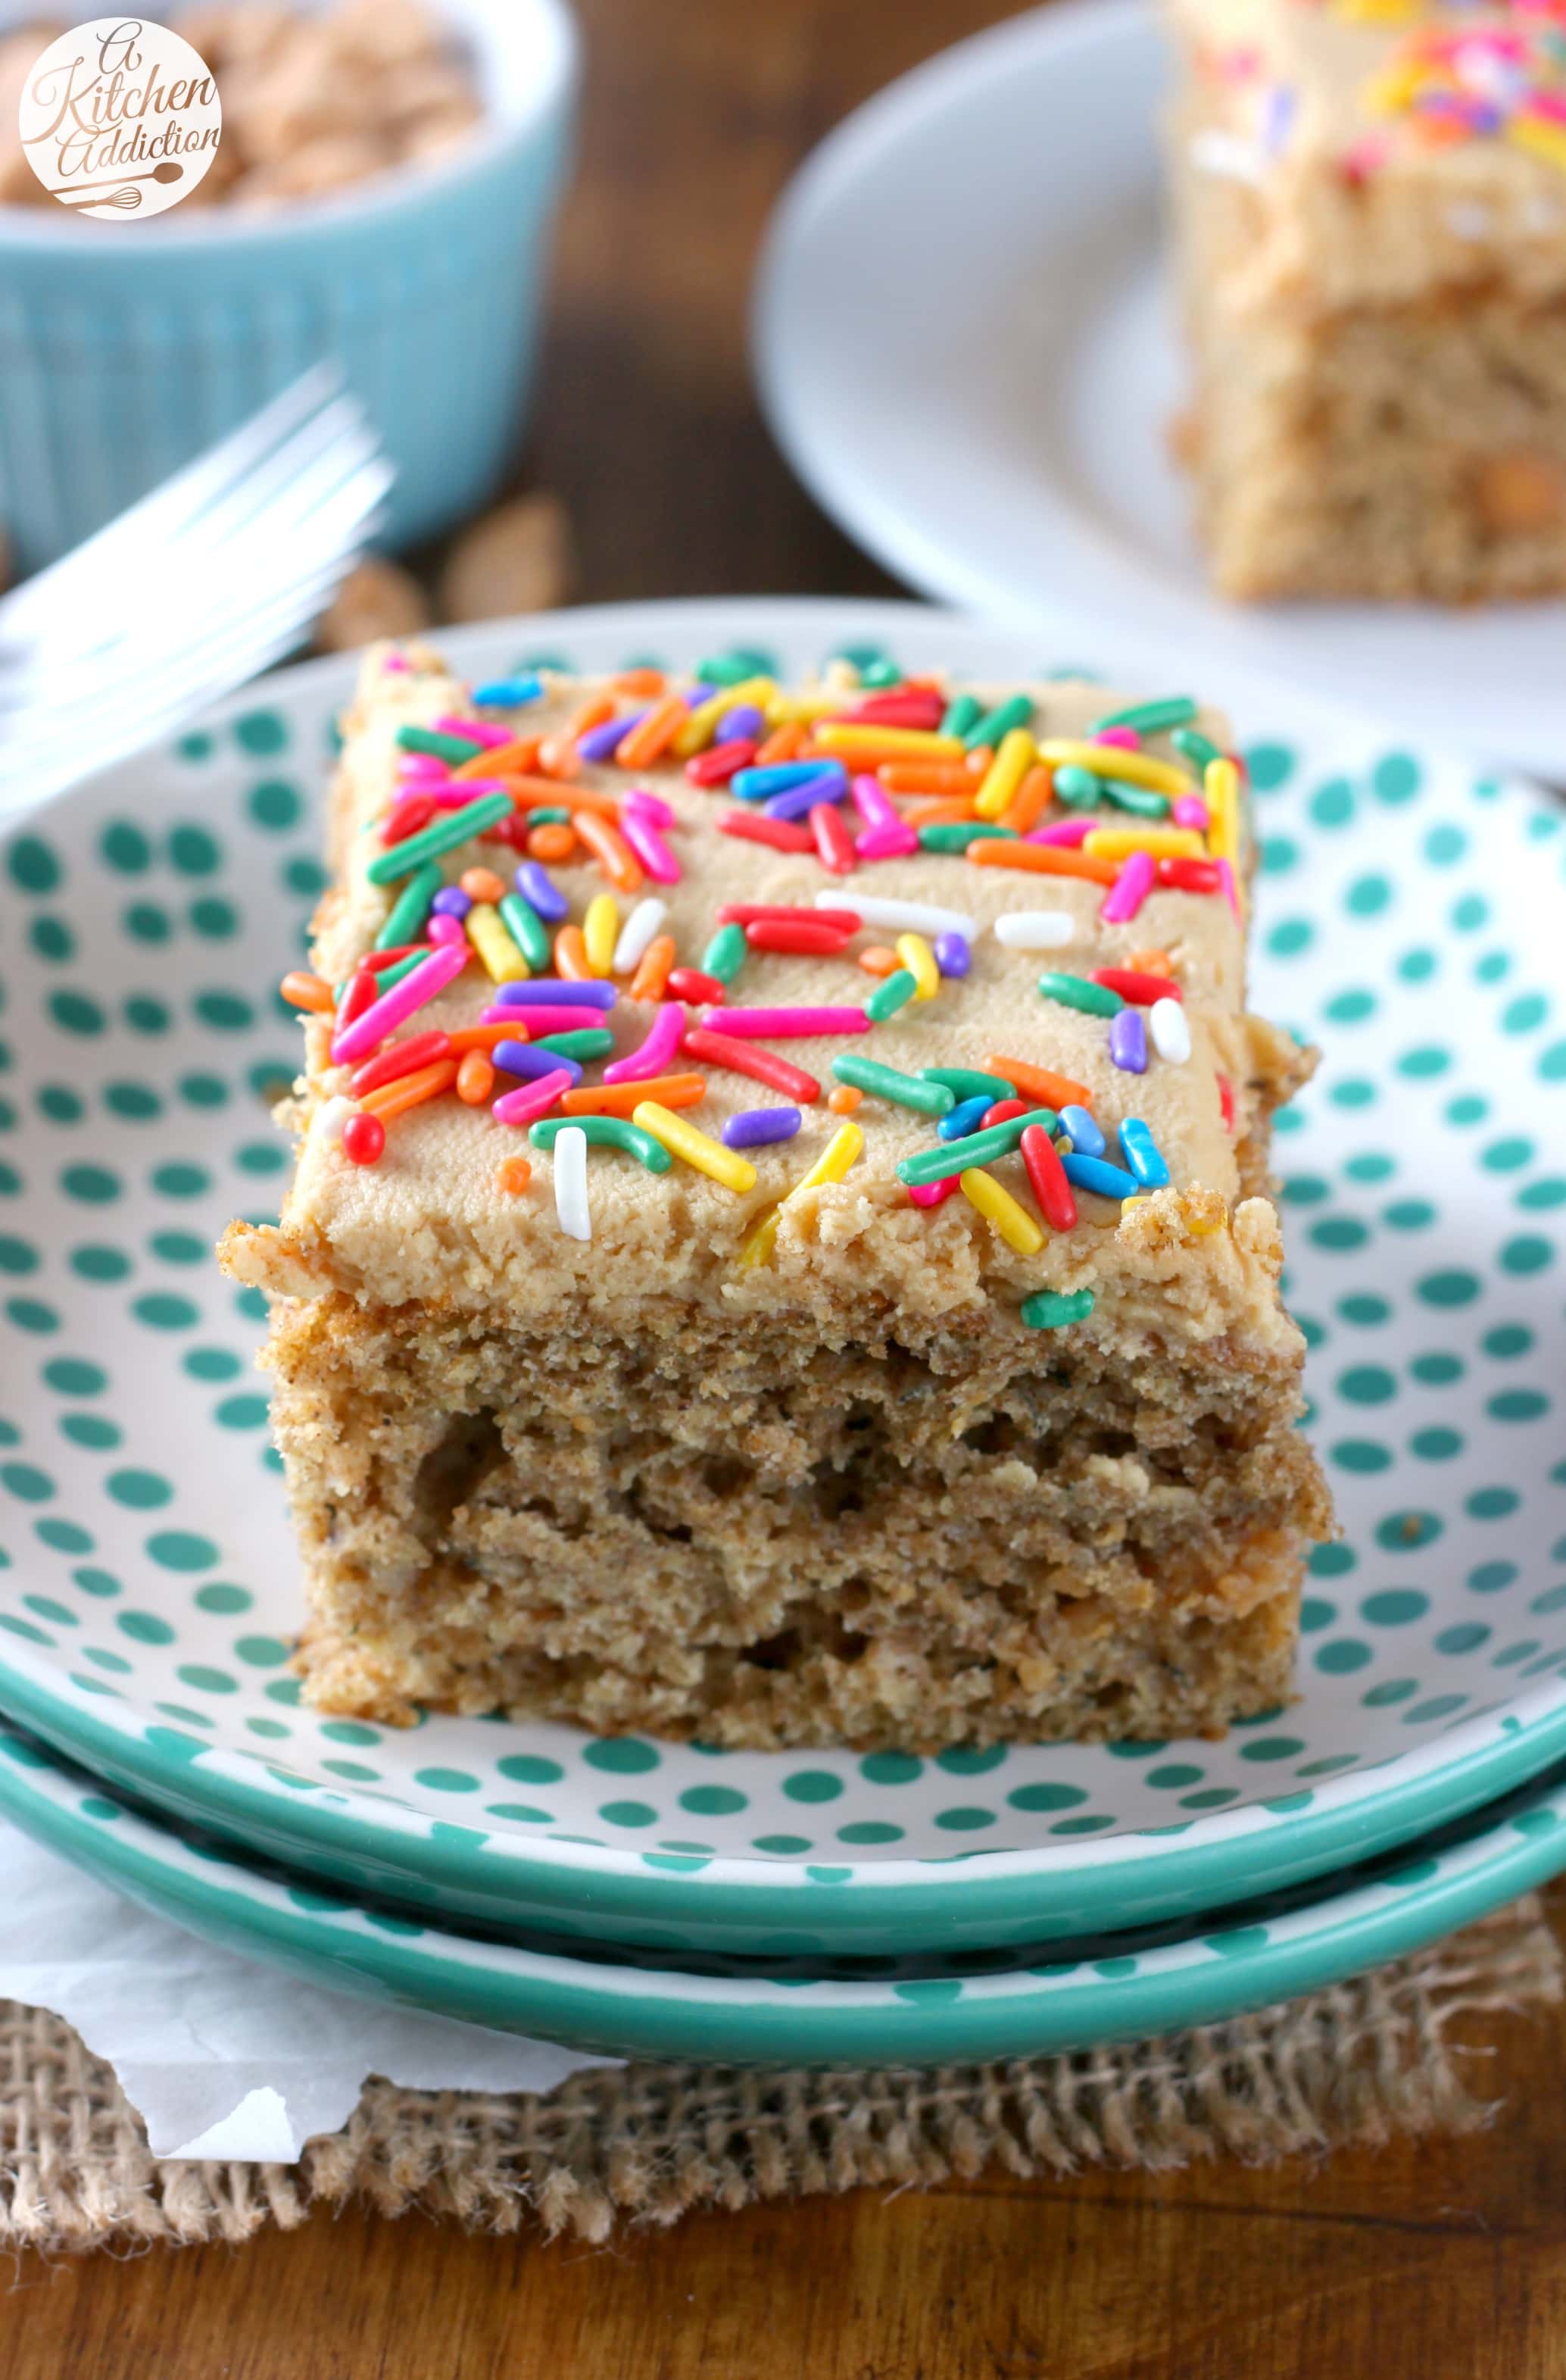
[963, 346]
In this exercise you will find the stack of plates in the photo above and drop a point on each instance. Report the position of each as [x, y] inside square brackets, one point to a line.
[667, 1900]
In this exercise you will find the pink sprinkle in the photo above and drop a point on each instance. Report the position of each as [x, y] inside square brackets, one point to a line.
[1231, 891]
[458, 791]
[443, 929]
[423, 769]
[397, 663]
[1068, 832]
[1124, 739]
[656, 857]
[426, 983]
[895, 840]
[532, 1023]
[655, 1053]
[532, 1101]
[935, 1194]
[643, 803]
[874, 805]
[1191, 811]
[800, 1024]
[1130, 888]
[476, 731]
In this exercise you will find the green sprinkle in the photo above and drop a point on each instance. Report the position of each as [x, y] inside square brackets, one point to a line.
[880, 672]
[386, 976]
[967, 1082]
[889, 1083]
[548, 818]
[1017, 712]
[454, 749]
[606, 1132]
[1141, 800]
[453, 827]
[590, 1041]
[1051, 1309]
[527, 928]
[733, 668]
[1078, 788]
[1193, 745]
[1149, 718]
[892, 993]
[961, 713]
[725, 953]
[410, 909]
[955, 834]
[978, 1149]
[1076, 991]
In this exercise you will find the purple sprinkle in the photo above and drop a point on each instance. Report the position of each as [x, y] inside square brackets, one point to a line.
[698, 694]
[1128, 1042]
[952, 955]
[544, 992]
[744, 721]
[798, 800]
[754, 1125]
[602, 742]
[521, 1058]
[451, 901]
[536, 888]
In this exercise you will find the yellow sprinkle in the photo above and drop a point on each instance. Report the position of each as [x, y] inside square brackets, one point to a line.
[699, 729]
[1109, 761]
[601, 931]
[1158, 842]
[1202, 1225]
[709, 1157]
[920, 960]
[1005, 1218]
[830, 1166]
[1221, 784]
[787, 710]
[850, 735]
[1546, 141]
[503, 962]
[1014, 759]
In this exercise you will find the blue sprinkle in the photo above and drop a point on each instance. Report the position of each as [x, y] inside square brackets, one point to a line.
[523, 1058]
[547, 898]
[1143, 1154]
[966, 1117]
[1128, 1042]
[952, 954]
[451, 901]
[754, 1125]
[1092, 1174]
[545, 992]
[509, 693]
[761, 785]
[1085, 1132]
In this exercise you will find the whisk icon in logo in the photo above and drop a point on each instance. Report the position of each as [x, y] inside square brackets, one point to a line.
[120, 118]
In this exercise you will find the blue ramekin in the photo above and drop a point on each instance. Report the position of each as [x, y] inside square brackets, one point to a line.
[125, 349]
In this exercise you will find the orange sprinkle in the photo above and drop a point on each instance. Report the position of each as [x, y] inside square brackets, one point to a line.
[652, 734]
[610, 850]
[619, 1099]
[785, 742]
[301, 989]
[1042, 860]
[410, 1090]
[978, 759]
[571, 955]
[553, 841]
[1150, 962]
[558, 755]
[653, 972]
[844, 1100]
[484, 884]
[596, 711]
[474, 1079]
[548, 792]
[513, 1177]
[502, 759]
[1040, 1083]
[1030, 801]
[464, 1038]
[940, 813]
[925, 777]
[877, 960]
[644, 683]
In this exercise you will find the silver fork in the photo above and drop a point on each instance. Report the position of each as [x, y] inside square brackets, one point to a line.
[208, 579]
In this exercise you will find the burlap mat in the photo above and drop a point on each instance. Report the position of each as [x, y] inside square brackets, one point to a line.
[1368, 2059]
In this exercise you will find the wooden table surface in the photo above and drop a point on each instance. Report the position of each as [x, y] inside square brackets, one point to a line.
[1442, 2260]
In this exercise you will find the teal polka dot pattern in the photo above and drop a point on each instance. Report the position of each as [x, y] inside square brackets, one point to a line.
[1400, 923]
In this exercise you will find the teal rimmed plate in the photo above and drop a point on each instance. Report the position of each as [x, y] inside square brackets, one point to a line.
[1063, 1996]
[1409, 917]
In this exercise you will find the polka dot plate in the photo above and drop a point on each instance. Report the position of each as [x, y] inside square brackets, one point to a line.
[1411, 917]
[1059, 1995]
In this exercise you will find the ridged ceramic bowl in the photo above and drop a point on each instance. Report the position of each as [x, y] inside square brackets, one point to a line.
[126, 348]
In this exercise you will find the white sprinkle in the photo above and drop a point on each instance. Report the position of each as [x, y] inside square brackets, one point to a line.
[1036, 929]
[637, 933]
[1466, 219]
[332, 1116]
[1227, 154]
[570, 1154]
[1542, 214]
[1171, 1029]
[918, 915]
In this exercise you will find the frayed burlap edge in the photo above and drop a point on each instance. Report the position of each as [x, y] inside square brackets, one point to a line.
[1359, 2062]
